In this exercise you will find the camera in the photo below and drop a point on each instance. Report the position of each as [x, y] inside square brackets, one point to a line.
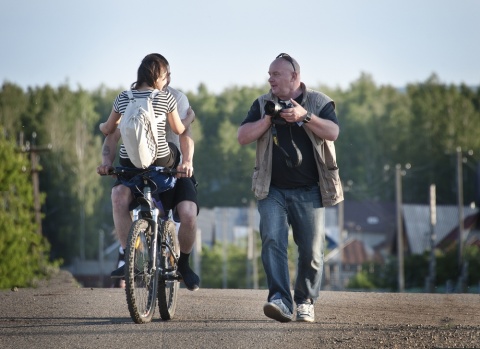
[273, 109]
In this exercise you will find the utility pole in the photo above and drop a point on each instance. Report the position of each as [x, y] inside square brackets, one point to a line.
[433, 237]
[252, 249]
[34, 151]
[460, 217]
[398, 191]
[225, 219]
[101, 256]
[341, 220]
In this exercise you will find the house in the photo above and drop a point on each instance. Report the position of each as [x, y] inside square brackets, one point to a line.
[345, 261]
[231, 224]
[418, 230]
[370, 235]
[369, 228]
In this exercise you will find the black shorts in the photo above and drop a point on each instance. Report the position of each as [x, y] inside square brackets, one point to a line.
[185, 189]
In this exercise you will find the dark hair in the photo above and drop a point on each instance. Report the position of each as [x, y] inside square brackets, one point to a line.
[151, 68]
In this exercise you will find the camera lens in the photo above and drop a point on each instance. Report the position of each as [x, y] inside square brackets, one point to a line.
[272, 109]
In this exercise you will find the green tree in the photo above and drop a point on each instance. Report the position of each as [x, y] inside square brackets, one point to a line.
[13, 103]
[448, 269]
[373, 131]
[224, 168]
[416, 269]
[472, 256]
[73, 212]
[236, 254]
[443, 118]
[213, 266]
[23, 252]
[361, 281]
[380, 126]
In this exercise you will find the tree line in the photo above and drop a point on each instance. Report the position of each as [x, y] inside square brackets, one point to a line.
[421, 124]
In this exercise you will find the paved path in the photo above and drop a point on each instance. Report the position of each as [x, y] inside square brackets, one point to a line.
[61, 315]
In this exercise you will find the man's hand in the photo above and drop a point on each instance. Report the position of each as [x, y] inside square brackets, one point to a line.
[105, 169]
[187, 168]
[294, 114]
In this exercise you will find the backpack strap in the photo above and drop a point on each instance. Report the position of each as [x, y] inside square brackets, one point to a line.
[154, 94]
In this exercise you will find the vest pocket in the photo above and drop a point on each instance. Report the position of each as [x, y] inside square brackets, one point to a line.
[333, 183]
[254, 178]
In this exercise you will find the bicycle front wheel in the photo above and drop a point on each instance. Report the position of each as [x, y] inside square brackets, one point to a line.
[140, 277]
[168, 284]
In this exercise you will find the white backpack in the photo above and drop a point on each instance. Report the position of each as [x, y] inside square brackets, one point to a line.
[138, 127]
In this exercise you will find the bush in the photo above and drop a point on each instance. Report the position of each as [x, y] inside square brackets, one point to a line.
[23, 252]
[361, 281]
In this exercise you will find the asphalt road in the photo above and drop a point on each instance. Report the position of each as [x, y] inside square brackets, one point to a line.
[59, 314]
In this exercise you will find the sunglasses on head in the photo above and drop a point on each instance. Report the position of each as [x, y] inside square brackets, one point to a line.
[288, 58]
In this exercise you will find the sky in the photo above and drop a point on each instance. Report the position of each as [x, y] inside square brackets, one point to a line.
[225, 43]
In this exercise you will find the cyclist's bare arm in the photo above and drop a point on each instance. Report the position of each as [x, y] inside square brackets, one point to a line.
[187, 148]
[176, 124]
[111, 124]
[189, 118]
[108, 152]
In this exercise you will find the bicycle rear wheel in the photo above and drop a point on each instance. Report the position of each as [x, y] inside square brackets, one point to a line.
[168, 284]
[140, 279]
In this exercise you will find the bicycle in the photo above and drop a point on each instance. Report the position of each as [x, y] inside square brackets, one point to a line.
[152, 250]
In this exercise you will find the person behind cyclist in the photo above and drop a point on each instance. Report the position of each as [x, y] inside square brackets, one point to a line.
[154, 73]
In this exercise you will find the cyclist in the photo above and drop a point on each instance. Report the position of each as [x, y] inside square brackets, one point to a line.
[182, 199]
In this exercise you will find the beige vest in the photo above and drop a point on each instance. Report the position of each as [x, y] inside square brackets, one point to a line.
[329, 179]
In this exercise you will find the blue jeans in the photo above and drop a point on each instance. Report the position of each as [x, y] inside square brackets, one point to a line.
[302, 209]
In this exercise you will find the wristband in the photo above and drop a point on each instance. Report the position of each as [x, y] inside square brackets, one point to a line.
[307, 117]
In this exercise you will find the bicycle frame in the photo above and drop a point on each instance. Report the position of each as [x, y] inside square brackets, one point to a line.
[148, 211]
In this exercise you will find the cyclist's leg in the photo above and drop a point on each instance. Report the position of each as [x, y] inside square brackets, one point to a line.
[187, 214]
[184, 199]
[186, 211]
[121, 198]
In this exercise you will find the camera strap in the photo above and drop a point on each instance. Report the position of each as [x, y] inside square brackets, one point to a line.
[287, 157]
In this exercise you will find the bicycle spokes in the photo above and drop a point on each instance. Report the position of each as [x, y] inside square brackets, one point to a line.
[141, 278]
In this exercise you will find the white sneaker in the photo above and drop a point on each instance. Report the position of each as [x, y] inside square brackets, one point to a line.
[305, 312]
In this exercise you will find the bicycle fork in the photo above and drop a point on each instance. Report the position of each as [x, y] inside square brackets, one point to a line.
[169, 274]
[149, 212]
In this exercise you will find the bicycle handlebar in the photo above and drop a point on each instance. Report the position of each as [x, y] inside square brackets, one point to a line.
[159, 178]
[119, 170]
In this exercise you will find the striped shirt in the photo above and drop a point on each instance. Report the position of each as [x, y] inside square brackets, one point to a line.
[163, 104]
